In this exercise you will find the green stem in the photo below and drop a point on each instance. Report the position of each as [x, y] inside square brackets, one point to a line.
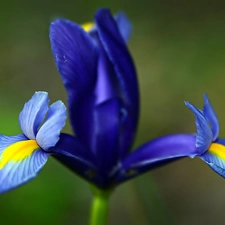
[100, 207]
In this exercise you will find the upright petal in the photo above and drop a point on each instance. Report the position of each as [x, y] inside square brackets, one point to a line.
[156, 153]
[107, 84]
[20, 161]
[215, 158]
[204, 132]
[76, 59]
[211, 116]
[33, 114]
[107, 134]
[124, 25]
[120, 57]
[48, 134]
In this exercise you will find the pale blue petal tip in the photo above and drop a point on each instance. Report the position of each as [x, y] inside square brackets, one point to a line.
[124, 25]
[211, 116]
[33, 114]
[204, 135]
[48, 134]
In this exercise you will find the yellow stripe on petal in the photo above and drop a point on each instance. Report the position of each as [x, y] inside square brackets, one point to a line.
[18, 152]
[87, 26]
[217, 150]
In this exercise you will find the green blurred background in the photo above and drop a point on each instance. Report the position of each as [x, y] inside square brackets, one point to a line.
[178, 47]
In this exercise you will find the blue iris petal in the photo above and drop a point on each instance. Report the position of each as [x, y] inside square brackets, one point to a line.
[211, 116]
[215, 162]
[48, 134]
[16, 173]
[75, 155]
[124, 25]
[76, 59]
[157, 152]
[204, 132]
[107, 85]
[5, 141]
[33, 114]
[119, 55]
[107, 132]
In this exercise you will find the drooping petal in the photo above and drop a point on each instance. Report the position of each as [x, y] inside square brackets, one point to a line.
[124, 25]
[33, 114]
[215, 158]
[48, 134]
[76, 59]
[204, 132]
[74, 155]
[20, 161]
[157, 152]
[120, 57]
[211, 116]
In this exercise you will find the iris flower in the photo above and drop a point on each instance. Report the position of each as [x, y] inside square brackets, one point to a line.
[207, 139]
[23, 156]
[103, 98]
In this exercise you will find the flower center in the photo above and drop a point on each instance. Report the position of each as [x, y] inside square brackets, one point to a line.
[18, 151]
[218, 150]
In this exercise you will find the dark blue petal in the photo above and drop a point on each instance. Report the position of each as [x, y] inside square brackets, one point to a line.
[85, 122]
[127, 132]
[48, 134]
[76, 59]
[215, 158]
[107, 133]
[107, 85]
[73, 154]
[204, 132]
[211, 116]
[124, 25]
[120, 57]
[33, 114]
[156, 153]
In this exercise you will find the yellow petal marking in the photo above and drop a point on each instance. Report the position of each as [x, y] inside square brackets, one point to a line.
[18, 151]
[87, 26]
[217, 150]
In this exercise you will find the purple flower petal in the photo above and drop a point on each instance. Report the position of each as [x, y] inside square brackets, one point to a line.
[107, 85]
[76, 59]
[120, 57]
[48, 134]
[33, 114]
[107, 134]
[74, 155]
[20, 161]
[215, 158]
[204, 132]
[157, 152]
[211, 116]
[124, 25]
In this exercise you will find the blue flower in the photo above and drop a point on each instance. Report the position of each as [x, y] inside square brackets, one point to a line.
[207, 140]
[23, 156]
[103, 98]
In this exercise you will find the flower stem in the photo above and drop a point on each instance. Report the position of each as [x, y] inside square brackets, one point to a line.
[100, 207]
